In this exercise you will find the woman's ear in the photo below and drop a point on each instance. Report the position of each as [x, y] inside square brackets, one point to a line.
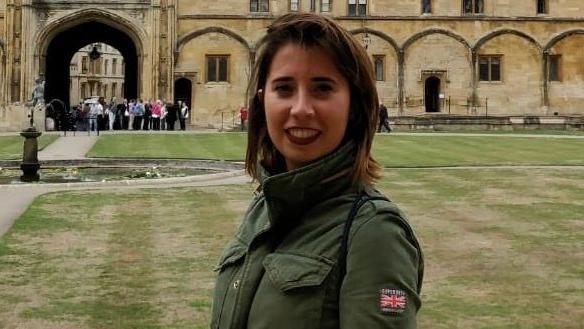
[260, 96]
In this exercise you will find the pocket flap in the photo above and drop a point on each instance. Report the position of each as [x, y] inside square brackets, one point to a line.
[234, 251]
[289, 271]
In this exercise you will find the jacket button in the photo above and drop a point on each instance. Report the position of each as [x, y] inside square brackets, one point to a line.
[235, 284]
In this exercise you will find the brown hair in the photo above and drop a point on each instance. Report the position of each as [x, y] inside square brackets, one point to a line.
[350, 58]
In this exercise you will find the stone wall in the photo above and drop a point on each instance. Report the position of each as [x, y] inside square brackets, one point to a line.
[14, 117]
[175, 37]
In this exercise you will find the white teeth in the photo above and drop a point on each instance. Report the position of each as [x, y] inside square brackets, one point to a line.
[302, 133]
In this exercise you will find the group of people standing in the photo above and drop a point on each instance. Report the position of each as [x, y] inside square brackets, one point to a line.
[130, 115]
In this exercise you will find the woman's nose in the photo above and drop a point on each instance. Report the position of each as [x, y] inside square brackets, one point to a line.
[303, 104]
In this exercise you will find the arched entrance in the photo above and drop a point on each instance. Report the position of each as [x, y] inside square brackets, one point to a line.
[432, 94]
[64, 45]
[183, 89]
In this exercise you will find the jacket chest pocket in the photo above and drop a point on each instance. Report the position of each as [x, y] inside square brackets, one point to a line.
[227, 283]
[292, 293]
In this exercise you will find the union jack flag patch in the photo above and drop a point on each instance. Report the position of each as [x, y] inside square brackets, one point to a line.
[393, 301]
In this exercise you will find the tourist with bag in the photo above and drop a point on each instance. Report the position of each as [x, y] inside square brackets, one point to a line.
[319, 246]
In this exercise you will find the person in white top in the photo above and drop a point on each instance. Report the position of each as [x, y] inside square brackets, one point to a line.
[183, 114]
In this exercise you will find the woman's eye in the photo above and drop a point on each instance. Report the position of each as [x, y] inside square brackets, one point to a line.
[283, 89]
[324, 88]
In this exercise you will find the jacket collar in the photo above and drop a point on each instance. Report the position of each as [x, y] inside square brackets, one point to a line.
[292, 193]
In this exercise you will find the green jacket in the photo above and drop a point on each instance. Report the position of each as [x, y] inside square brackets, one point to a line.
[280, 269]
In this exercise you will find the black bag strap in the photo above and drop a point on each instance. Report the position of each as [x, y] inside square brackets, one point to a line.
[342, 261]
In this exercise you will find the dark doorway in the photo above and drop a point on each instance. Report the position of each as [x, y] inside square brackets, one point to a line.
[64, 45]
[432, 94]
[183, 89]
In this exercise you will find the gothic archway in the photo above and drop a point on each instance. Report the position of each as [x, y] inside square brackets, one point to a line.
[64, 45]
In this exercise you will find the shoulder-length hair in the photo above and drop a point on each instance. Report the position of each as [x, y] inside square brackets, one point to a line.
[351, 60]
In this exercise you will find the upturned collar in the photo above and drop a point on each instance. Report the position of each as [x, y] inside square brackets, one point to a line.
[289, 194]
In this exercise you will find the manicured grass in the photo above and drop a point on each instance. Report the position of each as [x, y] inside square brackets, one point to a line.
[437, 150]
[228, 146]
[116, 260]
[11, 146]
[503, 249]
[508, 132]
[390, 150]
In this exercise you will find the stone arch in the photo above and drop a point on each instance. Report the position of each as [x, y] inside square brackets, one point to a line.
[561, 37]
[114, 19]
[71, 30]
[212, 29]
[497, 33]
[379, 34]
[521, 79]
[425, 33]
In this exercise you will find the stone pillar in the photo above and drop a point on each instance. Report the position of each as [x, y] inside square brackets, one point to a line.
[13, 20]
[474, 77]
[170, 43]
[401, 80]
[545, 84]
[30, 162]
[156, 58]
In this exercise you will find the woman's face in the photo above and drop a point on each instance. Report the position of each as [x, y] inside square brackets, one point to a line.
[307, 102]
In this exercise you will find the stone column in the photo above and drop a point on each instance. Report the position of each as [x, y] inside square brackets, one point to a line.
[30, 162]
[13, 19]
[475, 78]
[171, 22]
[545, 84]
[401, 79]
[156, 58]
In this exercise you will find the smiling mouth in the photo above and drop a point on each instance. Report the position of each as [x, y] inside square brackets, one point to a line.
[302, 136]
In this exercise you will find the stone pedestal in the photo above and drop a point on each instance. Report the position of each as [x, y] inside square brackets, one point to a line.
[30, 162]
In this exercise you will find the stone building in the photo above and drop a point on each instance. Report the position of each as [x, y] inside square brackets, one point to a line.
[432, 57]
[103, 76]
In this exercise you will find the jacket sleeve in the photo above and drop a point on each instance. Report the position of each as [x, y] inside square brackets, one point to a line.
[382, 285]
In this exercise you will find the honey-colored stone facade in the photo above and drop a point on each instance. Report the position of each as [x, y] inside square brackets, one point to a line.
[174, 39]
[102, 77]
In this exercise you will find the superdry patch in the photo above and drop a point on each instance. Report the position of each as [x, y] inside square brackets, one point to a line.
[393, 301]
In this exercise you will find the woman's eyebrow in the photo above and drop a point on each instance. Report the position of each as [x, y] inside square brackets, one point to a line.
[282, 79]
[324, 79]
[315, 79]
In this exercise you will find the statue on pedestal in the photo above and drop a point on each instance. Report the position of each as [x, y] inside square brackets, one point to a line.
[38, 98]
[30, 163]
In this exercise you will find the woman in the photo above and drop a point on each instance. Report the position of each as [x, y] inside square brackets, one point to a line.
[319, 247]
[156, 107]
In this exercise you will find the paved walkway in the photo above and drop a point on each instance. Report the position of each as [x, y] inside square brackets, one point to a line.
[68, 148]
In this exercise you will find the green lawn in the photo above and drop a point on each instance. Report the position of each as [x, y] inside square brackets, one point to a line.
[11, 146]
[437, 150]
[228, 146]
[507, 132]
[503, 249]
[390, 150]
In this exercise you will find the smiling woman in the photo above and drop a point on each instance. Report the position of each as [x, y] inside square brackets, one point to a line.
[319, 247]
[307, 104]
